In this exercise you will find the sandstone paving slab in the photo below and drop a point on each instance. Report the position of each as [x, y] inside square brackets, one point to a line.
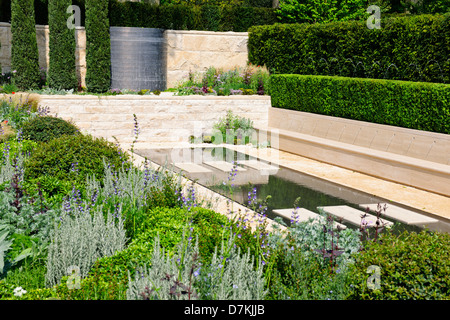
[263, 167]
[191, 167]
[404, 215]
[223, 166]
[352, 215]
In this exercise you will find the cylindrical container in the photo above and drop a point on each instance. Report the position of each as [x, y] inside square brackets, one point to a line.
[138, 58]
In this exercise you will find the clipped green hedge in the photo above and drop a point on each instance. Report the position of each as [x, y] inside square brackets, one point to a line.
[410, 48]
[413, 266]
[414, 105]
[62, 66]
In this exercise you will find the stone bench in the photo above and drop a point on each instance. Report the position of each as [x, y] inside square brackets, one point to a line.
[415, 158]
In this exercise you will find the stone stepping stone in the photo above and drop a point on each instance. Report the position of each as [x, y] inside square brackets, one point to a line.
[191, 167]
[353, 216]
[261, 166]
[403, 215]
[223, 166]
[304, 215]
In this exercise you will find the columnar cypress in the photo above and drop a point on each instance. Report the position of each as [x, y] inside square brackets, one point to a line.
[98, 46]
[62, 70]
[24, 49]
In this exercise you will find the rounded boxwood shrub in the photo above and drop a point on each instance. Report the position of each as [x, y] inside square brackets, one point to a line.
[412, 266]
[46, 128]
[74, 158]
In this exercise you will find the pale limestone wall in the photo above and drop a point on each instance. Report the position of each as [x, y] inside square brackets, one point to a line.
[162, 119]
[186, 51]
[197, 50]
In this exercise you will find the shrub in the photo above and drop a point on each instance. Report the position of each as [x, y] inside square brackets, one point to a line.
[24, 49]
[98, 46]
[80, 238]
[413, 266]
[74, 158]
[414, 105]
[351, 49]
[61, 72]
[229, 276]
[46, 128]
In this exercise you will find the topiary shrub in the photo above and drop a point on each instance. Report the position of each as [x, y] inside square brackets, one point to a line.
[73, 158]
[46, 128]
[24, 49]
[412, 266]
[62, 71]
[98, 46]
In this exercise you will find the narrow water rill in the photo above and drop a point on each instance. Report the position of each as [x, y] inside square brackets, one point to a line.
[249, 181]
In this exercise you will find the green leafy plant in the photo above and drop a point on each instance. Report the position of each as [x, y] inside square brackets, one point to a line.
[74, 158]
[46, 128]
[234, 129]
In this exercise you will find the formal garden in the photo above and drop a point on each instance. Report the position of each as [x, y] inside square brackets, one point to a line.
[80, 219]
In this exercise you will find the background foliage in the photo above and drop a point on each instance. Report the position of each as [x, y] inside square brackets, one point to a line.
[415, 48]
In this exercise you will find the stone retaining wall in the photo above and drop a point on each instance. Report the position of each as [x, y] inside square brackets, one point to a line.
[162, 119]
[186, 51]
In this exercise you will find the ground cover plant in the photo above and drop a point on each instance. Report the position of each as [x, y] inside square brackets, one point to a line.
[129, 232]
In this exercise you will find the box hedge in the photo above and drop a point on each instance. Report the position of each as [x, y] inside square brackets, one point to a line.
[414, 105]
[410, 48]
[413, 266]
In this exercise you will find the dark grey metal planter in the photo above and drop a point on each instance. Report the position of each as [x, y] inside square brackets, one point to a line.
[138, 58]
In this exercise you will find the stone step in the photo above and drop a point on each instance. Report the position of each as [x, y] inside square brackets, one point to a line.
[191, 167]
[403, 215]
[263, 167]
[353, 216]
[304, 215]
[223, 166]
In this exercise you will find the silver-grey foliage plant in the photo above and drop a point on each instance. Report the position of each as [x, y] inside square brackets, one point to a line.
[80, 238]
[230, 275]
